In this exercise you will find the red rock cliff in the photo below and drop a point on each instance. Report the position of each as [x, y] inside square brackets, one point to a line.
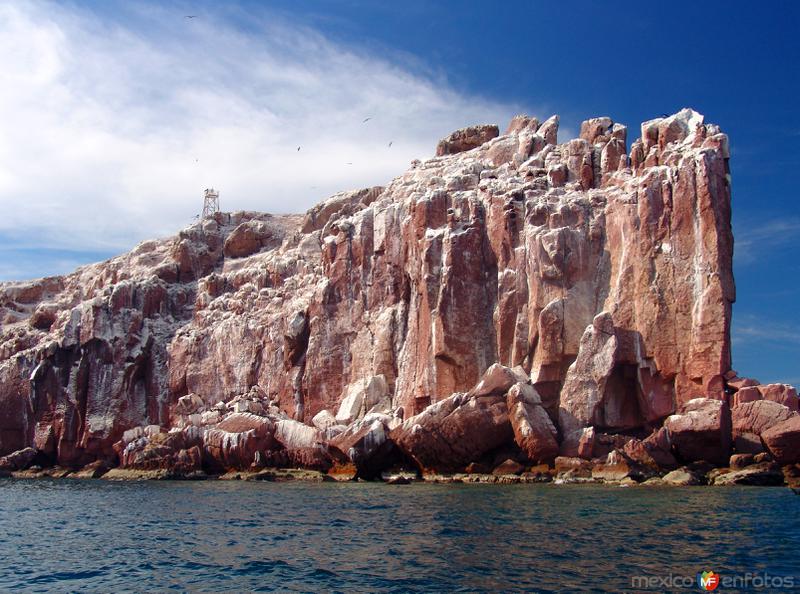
[602, 276]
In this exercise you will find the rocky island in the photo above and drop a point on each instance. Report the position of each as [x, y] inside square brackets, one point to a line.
[512, 309]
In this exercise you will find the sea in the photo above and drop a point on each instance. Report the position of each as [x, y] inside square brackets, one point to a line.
[234, 536]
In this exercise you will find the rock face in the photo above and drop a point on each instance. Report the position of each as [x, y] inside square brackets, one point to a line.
[450, 434]
[751, 419]
[595, 277]
[249, 238]
[702, 431]
[759, 475]
[466, 139]
[783, 440]
[534, 432]
[19, 460]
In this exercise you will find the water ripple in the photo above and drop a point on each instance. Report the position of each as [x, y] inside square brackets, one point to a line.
[95, 536]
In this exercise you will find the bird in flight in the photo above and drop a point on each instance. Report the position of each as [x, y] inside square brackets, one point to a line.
[190, 16]
[366, 120]
[298, 148]
[390, 143]
[348, 163]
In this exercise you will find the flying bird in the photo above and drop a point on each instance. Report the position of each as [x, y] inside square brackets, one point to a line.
[298, 148]
[390, 143]
[348, 163]
[366, 120]
[190, 16]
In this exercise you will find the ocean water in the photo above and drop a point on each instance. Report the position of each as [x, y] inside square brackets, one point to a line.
[97, 536]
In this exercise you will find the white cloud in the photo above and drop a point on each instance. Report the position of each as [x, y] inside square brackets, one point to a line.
[750, 328]
[110, 128]
[756, 239]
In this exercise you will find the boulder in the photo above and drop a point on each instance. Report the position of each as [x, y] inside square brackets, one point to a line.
[44, 316]
[549, 130]
[738, 383]
[763, 475]
[745, 394]
[595, 128]
[324, 419]
[783, 440]
[303, 446]
[567, 468]
[675, 128]
[450, 434]
[19, 460]
[616, 467]
[177, 453]
[739, 461]
[522, 122]
[363, 396]
[293, 434]
[781, 393]
[682, 477]
[466, 139]
[508, 467]
[583, 397]
[498, 379]
[534, 432]
[762, 457]
[654, 451]
[750, 419]
[233, 443]
[366, 445]
[248, 238]
[93, 470]
[701, 431]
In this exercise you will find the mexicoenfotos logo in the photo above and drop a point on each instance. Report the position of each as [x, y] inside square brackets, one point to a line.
[708, 580]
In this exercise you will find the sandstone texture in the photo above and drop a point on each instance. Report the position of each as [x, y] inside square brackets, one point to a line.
[702, 431]
[783, 440]
[510, 302]
[751, 419]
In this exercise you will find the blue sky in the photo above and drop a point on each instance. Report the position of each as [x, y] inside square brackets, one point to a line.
[115, 116]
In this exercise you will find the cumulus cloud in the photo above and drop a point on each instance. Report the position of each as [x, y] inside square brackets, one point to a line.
[112, 125]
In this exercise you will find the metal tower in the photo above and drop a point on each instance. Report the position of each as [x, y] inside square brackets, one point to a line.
[210, 203]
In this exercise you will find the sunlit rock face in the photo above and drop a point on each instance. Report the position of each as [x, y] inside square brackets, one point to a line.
[601, 275]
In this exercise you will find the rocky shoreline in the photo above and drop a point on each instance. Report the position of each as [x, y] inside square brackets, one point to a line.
[765, 474]
[513, 309]
[380, 447]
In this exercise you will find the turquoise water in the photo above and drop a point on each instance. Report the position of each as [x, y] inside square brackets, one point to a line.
[96, 536]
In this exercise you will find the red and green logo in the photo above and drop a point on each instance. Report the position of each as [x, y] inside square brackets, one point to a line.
[708, 580]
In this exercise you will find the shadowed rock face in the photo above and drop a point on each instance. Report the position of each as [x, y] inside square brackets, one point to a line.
[602, 275]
